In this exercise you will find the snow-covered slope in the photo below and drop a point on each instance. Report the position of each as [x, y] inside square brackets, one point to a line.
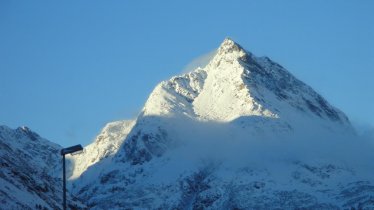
[30, 175]
[105, 146]
[239, 133]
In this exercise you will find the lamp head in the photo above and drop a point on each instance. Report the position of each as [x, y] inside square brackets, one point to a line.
[73, 149]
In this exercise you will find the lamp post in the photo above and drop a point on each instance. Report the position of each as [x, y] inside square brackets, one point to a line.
[65, 151]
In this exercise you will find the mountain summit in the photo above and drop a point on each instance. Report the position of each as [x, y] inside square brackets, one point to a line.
[230, 50]
[236, 83]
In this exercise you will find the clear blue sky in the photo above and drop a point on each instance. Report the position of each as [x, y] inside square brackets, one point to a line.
[69, 67]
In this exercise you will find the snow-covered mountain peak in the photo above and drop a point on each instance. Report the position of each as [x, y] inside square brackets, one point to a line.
[25, 128]
[28, 132]
[228, 45]
[229, 52]
[237, 84]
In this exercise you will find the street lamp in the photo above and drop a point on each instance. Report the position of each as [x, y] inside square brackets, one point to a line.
[65, 151]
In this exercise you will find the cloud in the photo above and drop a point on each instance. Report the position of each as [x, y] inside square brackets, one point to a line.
[71, 133]
[200, 61]
[231, 144]
[361, 126]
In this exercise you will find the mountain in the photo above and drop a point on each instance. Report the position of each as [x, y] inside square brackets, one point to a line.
[31, 173]
[239, 133]
[240, 84]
